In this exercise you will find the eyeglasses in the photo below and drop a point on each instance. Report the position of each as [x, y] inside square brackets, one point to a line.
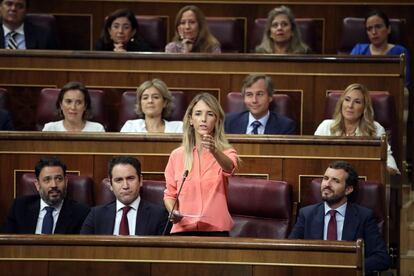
[376, 27]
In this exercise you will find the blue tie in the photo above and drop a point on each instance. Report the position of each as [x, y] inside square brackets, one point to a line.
[256, 125]
[47, 226]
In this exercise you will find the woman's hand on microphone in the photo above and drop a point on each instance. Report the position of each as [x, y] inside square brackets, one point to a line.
[175, 216]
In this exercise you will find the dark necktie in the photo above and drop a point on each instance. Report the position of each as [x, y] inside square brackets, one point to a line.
[12, 43]
[123, 226]
[332, 236]
[47, 226]
[256, 125]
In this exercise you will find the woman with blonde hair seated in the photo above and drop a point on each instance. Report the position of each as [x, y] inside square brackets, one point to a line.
[154, 105]
[281, 34]
[192, 34]
[354, 116]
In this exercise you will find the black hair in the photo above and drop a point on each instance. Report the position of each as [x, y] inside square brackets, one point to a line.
[125, 160]
[75, 85]
[49, 162]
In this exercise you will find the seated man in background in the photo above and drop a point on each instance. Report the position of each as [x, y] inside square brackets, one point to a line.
[5, 120]
[50, 211]
[257, 92]
[16, 32]
[129, 214]
[336, 218]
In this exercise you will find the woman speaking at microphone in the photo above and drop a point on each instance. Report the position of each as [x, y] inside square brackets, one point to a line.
[199, 207]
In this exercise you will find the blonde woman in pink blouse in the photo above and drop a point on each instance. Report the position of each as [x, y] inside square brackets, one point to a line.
[201, 208]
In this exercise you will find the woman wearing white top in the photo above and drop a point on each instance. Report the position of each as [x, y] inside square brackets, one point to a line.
[354, 116]
[74, 106]
[154, 104]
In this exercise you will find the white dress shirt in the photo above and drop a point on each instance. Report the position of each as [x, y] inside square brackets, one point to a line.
[42, 214]
[340, 218]
[131, 215]
[260, 129]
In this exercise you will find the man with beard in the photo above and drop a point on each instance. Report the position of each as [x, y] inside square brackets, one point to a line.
[336, 218]
[50, 211]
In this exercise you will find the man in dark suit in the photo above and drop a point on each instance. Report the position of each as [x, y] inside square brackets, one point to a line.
[336, 218]
[257, 93]
[129, 214]
[5, 121]
[50, 211]
[17, 32]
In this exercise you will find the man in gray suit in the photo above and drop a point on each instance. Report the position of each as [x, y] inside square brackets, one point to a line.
[17, 32]
[128, 214]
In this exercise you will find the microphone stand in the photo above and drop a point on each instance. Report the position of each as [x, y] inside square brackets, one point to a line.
[185, 174]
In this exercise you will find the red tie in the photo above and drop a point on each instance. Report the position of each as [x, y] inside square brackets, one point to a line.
[123, 226]
[332, 227]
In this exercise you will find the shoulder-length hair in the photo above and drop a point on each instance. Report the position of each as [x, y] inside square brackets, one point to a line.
[205, 41]
[189, 139]
[106, 37]
[75, 85]
[163, 89]
[366, 123]
[296, 45]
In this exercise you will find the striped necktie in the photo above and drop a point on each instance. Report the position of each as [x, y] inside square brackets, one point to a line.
[12, 43]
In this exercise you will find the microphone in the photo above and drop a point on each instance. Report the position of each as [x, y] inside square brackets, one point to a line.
[185, 174]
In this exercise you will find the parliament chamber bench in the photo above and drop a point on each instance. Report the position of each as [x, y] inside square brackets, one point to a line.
[305, 79]
[296, 160]
[156, 256]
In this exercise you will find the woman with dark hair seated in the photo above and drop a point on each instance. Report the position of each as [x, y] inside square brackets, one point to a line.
[354, 116]
[378, 30]
[281, 34]
[120, 34]
[74, 106]
[192, 34]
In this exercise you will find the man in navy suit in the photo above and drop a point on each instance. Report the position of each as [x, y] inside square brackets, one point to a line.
[5, 121]
[26, 34]
[257, 93]
[349, 221]
[129, 214]
[30, 214]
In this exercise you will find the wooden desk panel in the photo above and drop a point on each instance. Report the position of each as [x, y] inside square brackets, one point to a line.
[177, 255]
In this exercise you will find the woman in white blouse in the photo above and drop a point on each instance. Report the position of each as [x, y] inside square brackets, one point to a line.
[74, 106]
[154, 105]
[354, 116]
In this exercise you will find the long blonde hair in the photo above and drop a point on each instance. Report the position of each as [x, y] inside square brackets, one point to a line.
[189, 139]
[366, 123]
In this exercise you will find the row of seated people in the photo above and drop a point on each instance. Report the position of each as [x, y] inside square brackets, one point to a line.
[259, 208]
[151, 109]
[229, 31]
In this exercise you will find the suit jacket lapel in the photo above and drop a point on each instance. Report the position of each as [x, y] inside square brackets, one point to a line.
[1, 37]
[29, 39]
[351, 223]
[32, 215]
[65, 217]
[242, 125]
[107, 225]
[142, 215]
[318, 222]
